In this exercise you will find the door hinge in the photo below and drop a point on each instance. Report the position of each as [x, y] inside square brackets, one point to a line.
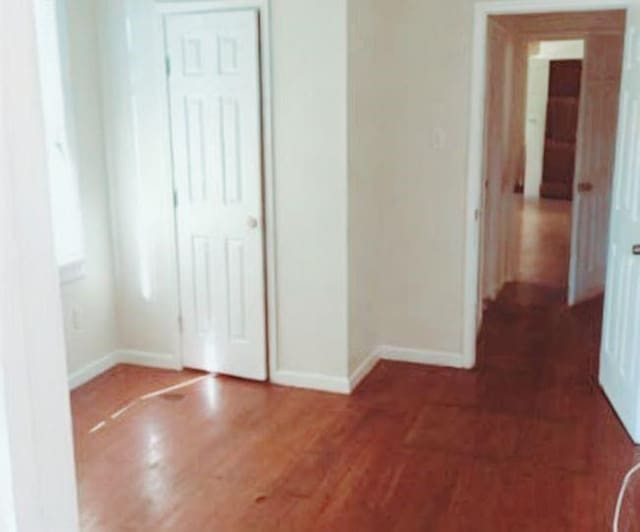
[167, 65]
[180, 324]
[175, 199]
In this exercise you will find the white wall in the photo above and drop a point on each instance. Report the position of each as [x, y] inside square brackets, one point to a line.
[422, 102]
[139, 165]
[566, 49]
[504, 153]
[310, 129]
[537, 97]
[406, 174]
[309, 69]
[89, 304]
[7, 501]
[423, 107]
[367, 149]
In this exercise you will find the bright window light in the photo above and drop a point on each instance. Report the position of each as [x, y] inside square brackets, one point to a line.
[63, 183]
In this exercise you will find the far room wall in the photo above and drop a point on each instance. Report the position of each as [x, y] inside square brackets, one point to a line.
[89, 302]
[504, 156]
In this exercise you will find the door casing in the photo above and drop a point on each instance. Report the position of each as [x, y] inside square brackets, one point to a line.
[262, 7]
[475, 165]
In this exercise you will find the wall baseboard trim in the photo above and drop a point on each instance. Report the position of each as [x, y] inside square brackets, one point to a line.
[91, 371]
[343, 385]
[311, 381]
[363, 370]
[136, 358]
[149, 360]
[418, 356]
[296, 379]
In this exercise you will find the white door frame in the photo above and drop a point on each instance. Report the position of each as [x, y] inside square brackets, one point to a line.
[37, 470]
[263, 8]
[483, 11]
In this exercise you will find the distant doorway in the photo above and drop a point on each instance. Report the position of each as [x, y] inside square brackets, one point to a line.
[604, 196]
[553, 99]
[546, 106]
[561, 129]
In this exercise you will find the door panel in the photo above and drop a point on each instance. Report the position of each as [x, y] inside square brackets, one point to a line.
[619, 368]
[594, 166]
[215, 116]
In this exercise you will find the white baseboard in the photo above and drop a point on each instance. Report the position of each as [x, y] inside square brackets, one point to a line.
[149, 360]
[363, 370]
[418, 356]
[91, 371]
[312, 381]
[345, 385]
[136, 358]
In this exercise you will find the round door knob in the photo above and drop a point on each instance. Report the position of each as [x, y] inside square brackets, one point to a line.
[252, 222]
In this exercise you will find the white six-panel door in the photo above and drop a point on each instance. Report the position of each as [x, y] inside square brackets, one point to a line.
[620, 353]
[214, 87]
[594, 166]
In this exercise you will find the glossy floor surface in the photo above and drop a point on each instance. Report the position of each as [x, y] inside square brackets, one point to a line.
[545, 245]
[525, 442]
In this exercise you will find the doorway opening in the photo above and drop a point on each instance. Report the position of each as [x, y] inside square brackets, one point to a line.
[553, 91]
[552, 98]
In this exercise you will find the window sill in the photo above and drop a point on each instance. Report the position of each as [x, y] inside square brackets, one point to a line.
[72, 271]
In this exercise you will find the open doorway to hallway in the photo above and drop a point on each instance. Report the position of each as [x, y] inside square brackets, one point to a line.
[552, 102]
[550, 130]
[552, 109]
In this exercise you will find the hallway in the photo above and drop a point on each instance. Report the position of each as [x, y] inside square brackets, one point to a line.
[523, 442]
[545, 246]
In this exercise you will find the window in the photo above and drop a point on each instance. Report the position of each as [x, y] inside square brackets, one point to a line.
[63, 184]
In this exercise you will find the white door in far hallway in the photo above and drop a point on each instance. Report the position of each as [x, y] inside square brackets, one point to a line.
[594, 166]
[620, 352]
[214, 88]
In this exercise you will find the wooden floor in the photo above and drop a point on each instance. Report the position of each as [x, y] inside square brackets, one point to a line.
[523, 443]
[545, 245]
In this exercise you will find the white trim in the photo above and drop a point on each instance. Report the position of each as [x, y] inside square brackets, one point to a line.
[91, 371]
[419, 356]
[363, 370]
[476, 139]
[343, 385]
[263, 7]
[147, 359]
[107, 362]
[312, 381]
